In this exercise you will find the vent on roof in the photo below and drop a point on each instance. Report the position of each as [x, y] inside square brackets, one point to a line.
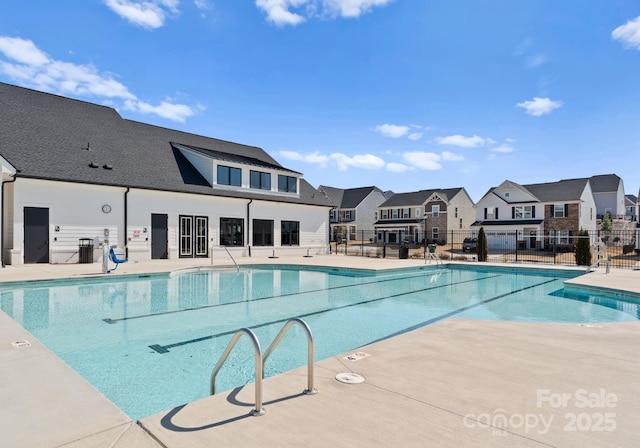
[106, 166]
[94, 165]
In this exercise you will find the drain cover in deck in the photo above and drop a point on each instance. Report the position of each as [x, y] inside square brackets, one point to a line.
[350, 378]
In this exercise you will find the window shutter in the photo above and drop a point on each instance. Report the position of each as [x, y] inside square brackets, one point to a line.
[513, 212]
[566, 210]
[496, 212]
[485, 213]
[533, 211]
[551, 211]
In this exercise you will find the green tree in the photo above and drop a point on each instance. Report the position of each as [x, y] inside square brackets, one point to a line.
[483, 246]
[607, 223]
[583, 249]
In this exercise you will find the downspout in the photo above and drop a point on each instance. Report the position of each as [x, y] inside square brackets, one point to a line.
[126, 216]
[248, 245]
[2, 213]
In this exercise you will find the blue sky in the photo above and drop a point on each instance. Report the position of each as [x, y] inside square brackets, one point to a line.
[401, 94]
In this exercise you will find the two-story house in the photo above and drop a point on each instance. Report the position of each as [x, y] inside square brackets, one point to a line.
[354, 212]
[631, 207]
[608, 192]
[532, 215]
[424, 215]
[74, 171]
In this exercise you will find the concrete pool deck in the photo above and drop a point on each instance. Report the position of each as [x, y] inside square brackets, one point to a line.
[538, 384]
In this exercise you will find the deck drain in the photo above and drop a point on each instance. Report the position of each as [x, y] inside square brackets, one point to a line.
[350, 378]
[21, 344]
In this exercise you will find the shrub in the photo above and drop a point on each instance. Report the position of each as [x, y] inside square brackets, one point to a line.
[483, 247]
[583, 249]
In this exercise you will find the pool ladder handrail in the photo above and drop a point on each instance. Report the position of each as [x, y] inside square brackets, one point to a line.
[597, 262]
[232, 259]
[310, 390]
[260, 359]
[259, 410]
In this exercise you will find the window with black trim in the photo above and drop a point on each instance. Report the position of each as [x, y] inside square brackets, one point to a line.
[231, 232]
[228, 175]
[559, 210]
[290, 233]
[260, 180]
[287, 184]
[263, 232]
[194, 235]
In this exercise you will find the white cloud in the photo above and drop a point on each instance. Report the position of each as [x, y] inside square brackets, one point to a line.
[147, 14]
[510, 140]
[278, 11]
[628, 34]
[202, 4]
[462, 141]
[451, 157]
[33, 68]
[353, 8]
[313, 158]
[22, 51]
[365, 161]
[415, 136]
[170, 111]
[423, 160]
[504, 148]
[294, 12]
[540, 106]
[392, 130]
[398, 167]
[537, 60]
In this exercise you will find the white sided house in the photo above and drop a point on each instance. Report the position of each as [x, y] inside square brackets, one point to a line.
[73, 171]
[533, 216]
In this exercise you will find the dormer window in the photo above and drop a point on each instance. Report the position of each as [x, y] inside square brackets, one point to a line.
[287, 184]
[260, 180]
[229, 176]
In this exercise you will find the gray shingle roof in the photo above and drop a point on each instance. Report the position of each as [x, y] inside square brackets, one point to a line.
[564, 190]
[418, 197]
[349, 197]
[51, 137]
[605, 183]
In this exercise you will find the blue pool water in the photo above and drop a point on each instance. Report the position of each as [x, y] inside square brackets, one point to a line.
[150, 343]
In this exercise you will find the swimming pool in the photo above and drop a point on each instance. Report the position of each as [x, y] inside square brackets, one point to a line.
[149, 343]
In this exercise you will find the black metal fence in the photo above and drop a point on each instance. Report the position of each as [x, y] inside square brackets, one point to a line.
[551, 247]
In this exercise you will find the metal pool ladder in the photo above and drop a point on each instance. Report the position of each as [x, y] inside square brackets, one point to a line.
[260, 360]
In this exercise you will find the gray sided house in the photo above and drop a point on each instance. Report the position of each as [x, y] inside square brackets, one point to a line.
[355, 211]
[74, 172]
[425, 215]
[631, 207]
[608, 192]
[537, 214]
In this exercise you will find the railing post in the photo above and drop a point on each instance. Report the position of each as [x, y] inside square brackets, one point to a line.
[516, 246]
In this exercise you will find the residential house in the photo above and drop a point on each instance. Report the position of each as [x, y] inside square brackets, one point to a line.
[355, 211]
[608, 191]
[75, 174]
[631, 207]
[536, 214]
[424, 216]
